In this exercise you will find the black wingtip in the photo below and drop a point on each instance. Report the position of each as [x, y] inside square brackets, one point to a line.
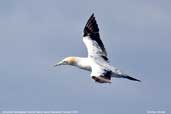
[92, 15]
[91, 26]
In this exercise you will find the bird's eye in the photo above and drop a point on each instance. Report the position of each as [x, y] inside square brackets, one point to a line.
[65, 61]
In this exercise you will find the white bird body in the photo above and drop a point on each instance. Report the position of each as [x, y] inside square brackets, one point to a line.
[96, 68]
[96, 62]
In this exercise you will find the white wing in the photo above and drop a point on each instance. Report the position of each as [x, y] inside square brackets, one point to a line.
[101, 70]
[91, 39]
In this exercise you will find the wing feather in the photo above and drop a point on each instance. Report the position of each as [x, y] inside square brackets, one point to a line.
[92, 39]
[101, 75]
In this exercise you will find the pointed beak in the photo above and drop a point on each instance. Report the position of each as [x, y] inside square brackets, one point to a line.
[59, 63]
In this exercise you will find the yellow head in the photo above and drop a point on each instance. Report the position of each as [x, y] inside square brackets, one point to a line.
[67, 61]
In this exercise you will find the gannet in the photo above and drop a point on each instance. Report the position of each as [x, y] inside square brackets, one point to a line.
[97, 61]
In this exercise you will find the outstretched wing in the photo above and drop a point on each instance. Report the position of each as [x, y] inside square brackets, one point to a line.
[91, 39]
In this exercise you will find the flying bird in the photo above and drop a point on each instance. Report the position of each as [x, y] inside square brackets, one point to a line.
[97, 61]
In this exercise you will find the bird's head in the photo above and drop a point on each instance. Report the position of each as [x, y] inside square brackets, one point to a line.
[67, 61]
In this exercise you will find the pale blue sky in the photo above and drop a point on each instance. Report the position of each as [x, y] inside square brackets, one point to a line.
[34, 34]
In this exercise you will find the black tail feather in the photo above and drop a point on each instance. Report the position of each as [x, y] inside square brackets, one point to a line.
[130, 78]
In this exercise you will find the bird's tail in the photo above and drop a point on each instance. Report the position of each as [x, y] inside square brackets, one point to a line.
[126, 76]
[130, 78]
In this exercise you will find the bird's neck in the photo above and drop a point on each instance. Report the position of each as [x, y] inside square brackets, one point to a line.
[82, 63]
